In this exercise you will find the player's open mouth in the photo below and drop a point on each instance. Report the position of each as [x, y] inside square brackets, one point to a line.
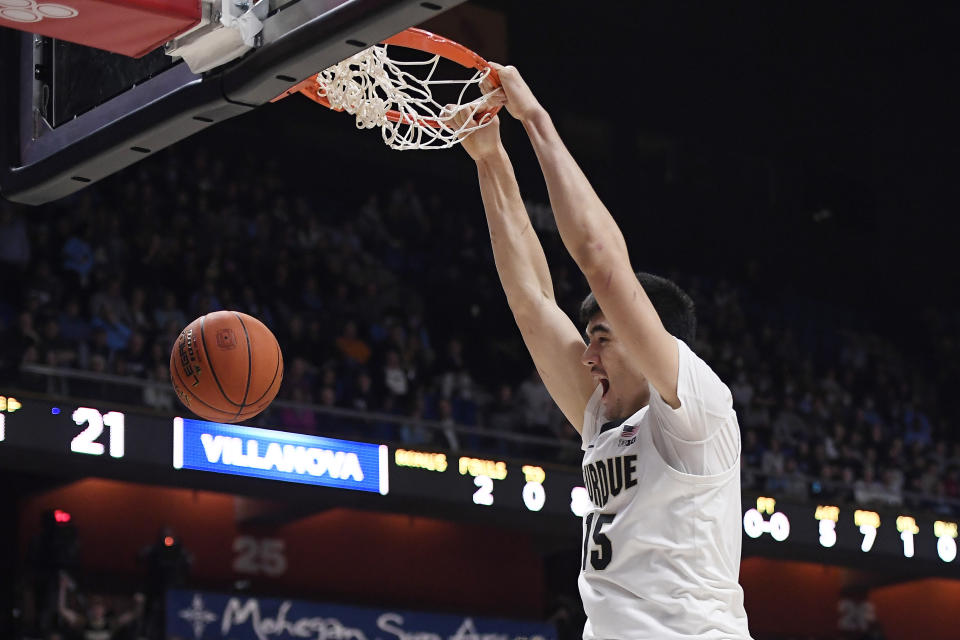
[606, 386]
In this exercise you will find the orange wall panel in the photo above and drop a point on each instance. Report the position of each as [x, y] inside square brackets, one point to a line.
[928, 609]
[805, 594]
[340, 554]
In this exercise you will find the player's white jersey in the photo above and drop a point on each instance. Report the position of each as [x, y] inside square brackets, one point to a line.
[661, 544]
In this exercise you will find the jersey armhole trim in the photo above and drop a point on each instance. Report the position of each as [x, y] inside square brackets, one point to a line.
[697, 479]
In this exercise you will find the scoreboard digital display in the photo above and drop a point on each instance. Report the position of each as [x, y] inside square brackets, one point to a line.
[278, 455]
[844, 532]
[87, 440]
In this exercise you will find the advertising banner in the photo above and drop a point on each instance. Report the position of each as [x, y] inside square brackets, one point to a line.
[199, 615]
[278, 455]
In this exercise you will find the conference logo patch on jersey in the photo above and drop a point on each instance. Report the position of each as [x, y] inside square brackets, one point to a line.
[629, 435]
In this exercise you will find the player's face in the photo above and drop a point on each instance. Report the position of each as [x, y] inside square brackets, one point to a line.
[625, 391]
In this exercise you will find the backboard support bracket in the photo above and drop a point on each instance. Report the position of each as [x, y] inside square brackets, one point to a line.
[46, 164]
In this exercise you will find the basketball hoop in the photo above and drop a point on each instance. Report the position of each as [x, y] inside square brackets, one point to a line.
[385, 90]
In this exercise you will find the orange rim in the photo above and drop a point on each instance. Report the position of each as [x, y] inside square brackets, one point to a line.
[412, 38]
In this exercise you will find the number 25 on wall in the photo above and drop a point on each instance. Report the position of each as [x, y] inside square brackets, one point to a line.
[265, 556]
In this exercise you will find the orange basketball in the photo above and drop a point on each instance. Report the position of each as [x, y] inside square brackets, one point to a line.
[226, 366]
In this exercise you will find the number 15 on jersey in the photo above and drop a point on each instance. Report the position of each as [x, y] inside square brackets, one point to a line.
[596, 542]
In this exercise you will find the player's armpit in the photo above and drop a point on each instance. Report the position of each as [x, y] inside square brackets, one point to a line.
[702, 437]
[556, 348]
[706, 402]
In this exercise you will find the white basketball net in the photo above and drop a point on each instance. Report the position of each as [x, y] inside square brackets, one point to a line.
[369, 84]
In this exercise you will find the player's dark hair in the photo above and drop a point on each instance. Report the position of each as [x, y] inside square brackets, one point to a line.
[672, 303]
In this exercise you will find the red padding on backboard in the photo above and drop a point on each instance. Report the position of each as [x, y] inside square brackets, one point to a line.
[130, 27]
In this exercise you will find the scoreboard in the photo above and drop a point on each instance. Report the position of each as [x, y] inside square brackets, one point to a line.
[842, 534]
[69, 440]
[75, 441]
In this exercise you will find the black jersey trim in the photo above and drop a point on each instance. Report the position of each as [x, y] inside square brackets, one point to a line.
[613, 424]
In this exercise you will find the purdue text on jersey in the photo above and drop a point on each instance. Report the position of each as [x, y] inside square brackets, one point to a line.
[609, 476]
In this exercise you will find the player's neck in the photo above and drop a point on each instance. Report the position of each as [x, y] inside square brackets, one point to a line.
[636, 403]
[629, 411]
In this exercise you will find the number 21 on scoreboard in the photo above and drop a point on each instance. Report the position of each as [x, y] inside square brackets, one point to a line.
[85, 441]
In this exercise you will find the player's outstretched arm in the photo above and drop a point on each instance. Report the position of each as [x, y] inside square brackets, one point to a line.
[595, 242]
[550, 336]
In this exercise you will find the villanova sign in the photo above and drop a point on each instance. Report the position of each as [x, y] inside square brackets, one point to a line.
[212, 616]
[278, 455]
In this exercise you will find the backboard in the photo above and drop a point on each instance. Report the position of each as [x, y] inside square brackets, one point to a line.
[72, 115]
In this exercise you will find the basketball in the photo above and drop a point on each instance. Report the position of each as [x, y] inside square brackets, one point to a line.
[226, 366]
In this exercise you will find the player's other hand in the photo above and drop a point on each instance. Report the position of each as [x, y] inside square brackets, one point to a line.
[479, 143]
[520, 101]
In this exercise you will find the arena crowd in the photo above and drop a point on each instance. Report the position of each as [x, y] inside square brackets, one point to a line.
[389, 303]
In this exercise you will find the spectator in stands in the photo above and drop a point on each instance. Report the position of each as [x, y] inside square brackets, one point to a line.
[207, 300]
[53, 349]
[294, 336]
[417, 359]
[788, 422]
[135, 355]
[159, 394]
[352, 347]
[751, 457]
[78, 255]
[794, 482]
[111, 301]
[413, 433]
[868, 490]
[940, 454]
[73, 326]
[453, 369]
[503, 414]
[396, 379]
[535, 404]
[116, 331]
[27, 335]
[43, 288]
[893, 455]
[951, 484]
[742, 391]
[303, 419]
[169, 314]
[298, 373]
[97, 623]
[835, 441]
[892, 487]
[772, 465]
[445, 416]
[140, 319]
[844, 489]
[825, 485]
[362, 397]
[311, 298]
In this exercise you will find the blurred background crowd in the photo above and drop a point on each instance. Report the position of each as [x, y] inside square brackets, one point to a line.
[366, 294]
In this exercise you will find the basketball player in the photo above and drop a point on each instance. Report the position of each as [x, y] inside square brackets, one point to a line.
[661, 543]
